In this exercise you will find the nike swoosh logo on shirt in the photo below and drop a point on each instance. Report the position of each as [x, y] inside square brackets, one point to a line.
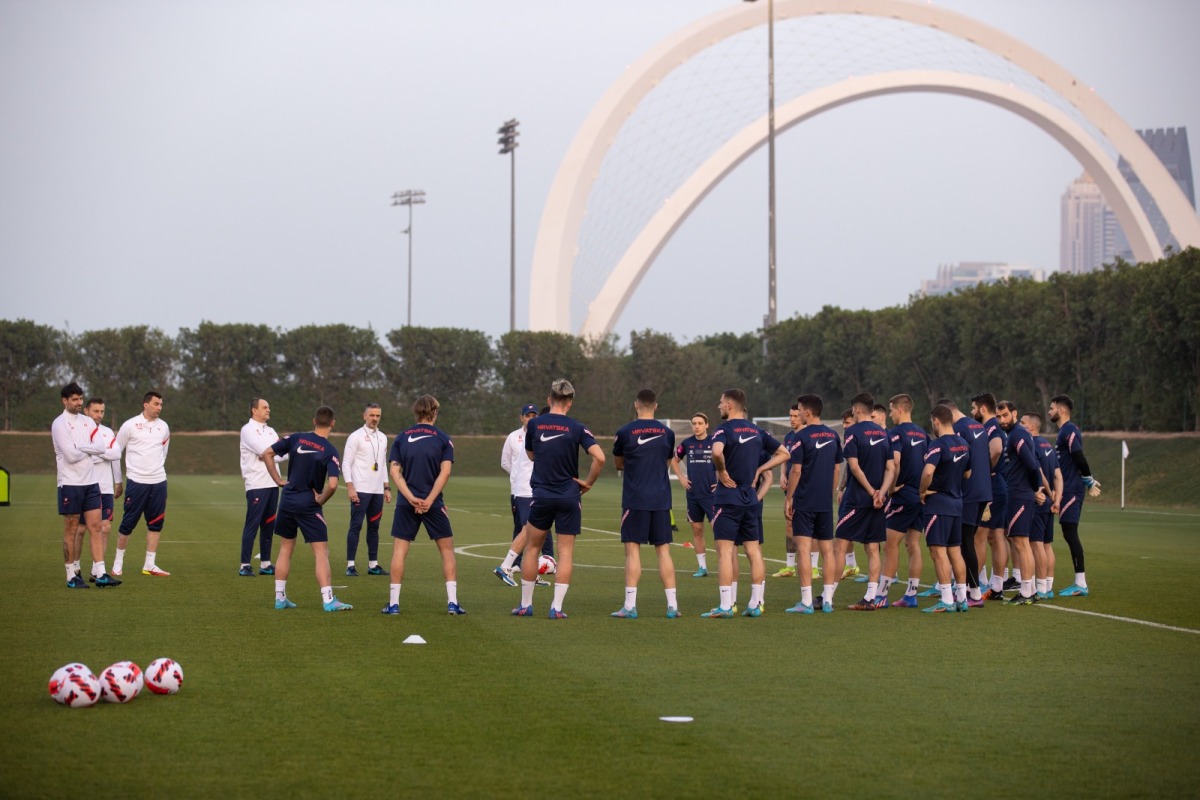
[959, 458]
[977, 435]
[874, 442]
[546, 438]
[914, 442]
[819, 445]
[302, 450]
[419, 438]
[747, 439]
[650, 439]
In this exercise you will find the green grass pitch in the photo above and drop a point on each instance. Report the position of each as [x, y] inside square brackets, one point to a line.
[1031, 700]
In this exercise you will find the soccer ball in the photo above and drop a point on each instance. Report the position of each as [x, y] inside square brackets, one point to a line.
[547, 565]
[74, 685]
[164, 676]
[121, 682]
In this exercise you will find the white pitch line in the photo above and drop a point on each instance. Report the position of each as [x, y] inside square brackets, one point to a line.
[1121, 619]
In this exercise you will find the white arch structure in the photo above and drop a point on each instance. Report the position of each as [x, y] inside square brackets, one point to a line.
[566, 205]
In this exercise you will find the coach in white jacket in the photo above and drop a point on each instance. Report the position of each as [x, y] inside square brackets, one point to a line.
[364, 468]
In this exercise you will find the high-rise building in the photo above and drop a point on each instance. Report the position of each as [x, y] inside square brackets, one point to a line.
[952, 277]
[1091, 235]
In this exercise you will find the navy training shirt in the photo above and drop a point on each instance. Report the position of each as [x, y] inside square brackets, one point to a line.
[553, 442]
[1070, 440]
[312, 458]
[866, 442]
[420, 451]
[744, 444]
[910, 441]
[818, 453]
[978, 486]
[696, 454]
[950, 456]
[646, 445]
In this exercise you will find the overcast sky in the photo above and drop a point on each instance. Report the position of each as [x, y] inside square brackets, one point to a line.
[167, 163]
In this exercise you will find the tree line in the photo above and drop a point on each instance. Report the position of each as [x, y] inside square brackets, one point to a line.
[1124, 342]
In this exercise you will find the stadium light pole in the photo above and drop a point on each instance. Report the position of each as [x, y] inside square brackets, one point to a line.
[410, 198]
[508, 146]
[771, 316]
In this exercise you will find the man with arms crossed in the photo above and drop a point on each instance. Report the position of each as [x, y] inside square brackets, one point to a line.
[262, 493]
[1027, 489]
[738, 447]
[699, 481]
[145, 440]
[867, 458]
[809, 503]
[1077, 476]
[364, 466]
[640, 451]
[907, 443]
[553, 442]
[312, 480]
[946, 460]
[421, 459]
[515, 461]
[107, 471]
[73, 434]
[1042, 536]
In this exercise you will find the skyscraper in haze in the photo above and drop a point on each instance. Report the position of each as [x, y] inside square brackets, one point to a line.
[1091, 235]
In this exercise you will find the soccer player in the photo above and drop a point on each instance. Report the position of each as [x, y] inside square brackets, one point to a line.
[515, 461]
[946, 461]
[553, 442]
[809, 503]
[867, 457]
[262, 493]
[107, 471]
[78, 492]
[738, 445]
[1042, 536]
[364, 466]
[312, 481]
[145, 439]
[879, 415]
[902, 513]
[977, 493]
[641, 450]
[699, 481]
[421, 459]
[1027, 489]
[851, 570]
[993, 520]
[1077, 476]
[789, 443]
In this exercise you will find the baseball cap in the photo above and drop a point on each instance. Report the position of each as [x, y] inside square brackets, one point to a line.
[528, 408]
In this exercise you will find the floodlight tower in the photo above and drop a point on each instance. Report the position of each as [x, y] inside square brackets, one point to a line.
[772, 315]
[410, 198]
[508, 146]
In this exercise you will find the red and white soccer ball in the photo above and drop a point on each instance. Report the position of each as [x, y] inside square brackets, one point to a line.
[121, 682]
[547, 565]
[74, 685]
[164, 676]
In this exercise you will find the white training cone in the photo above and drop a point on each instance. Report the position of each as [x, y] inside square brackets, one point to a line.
[414, 639]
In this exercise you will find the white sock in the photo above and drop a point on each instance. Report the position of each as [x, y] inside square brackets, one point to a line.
[960, 593]
[791, 560]
[263, 564]
[507, 563]
[1080, 580]
[733, 594]
[947, 595]
[914, 586]
[630, 598]
[672, 599]
[527, 592]
[393, 594]
[350, 564]
[828, 592]
[560, 594]
[327, 594]
[1017, 574]
[976, 593]
[1027, 588]
[372, 564]
[1006, 574]
[702, 561]
[885, 583]
[119, 559]
[997, 583]
[1040, 585]
[872, 590]
[814, 558]
[98, 569]
[70, 568]
[1050, 584]
[726, 594]
[983, 578]
[280, 590]
[451, 591]
[850, 561]
[757, 590]
[806, 595]
[149, 561]
[76, 566]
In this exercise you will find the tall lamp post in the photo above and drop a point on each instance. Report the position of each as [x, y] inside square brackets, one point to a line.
[771, 316]
[508, 146]
[410, 198]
